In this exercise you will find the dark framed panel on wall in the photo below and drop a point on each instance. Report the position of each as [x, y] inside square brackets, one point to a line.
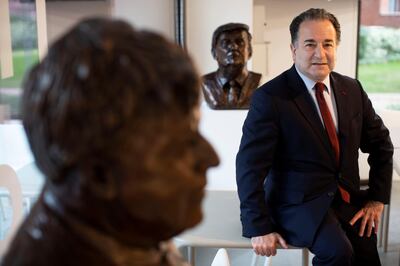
[180, 22]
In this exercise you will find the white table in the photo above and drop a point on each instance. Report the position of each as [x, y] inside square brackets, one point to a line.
[220, 228]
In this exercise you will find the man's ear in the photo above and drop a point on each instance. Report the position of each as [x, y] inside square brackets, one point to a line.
[213, 53]
[101, 182]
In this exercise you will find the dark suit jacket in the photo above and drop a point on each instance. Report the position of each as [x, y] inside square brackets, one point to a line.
[285, 168]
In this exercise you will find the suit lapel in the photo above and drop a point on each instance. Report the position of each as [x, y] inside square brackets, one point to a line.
[341, 99]
[307, 108]
[217, 93]
[245, 92]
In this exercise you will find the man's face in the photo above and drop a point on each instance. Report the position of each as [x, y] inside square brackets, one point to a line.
[314, 52]
[170, 174]
[232, 48]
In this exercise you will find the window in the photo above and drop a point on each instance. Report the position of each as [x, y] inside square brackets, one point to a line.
[379, 54]
[394, 6]
[390, 7]
[20, 53]
[26, 28]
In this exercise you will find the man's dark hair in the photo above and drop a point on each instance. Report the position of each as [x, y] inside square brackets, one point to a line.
[313, 14]
[96, 87]
[227, 28]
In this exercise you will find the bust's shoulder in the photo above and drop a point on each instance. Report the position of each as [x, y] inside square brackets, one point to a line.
[254, 77]
[209, 76]
[254, 74]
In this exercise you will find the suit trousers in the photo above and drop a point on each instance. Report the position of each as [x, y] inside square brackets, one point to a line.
[338, 243]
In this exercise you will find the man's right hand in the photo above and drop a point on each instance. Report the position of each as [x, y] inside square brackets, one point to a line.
[266, 245]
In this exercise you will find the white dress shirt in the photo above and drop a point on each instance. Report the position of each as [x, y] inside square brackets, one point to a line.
[328, 95]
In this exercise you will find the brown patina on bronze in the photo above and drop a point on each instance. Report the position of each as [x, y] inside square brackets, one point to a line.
[111, 115]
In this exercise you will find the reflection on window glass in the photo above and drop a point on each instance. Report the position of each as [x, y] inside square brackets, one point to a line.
[390, 6]
[24, 51]
[379, 52]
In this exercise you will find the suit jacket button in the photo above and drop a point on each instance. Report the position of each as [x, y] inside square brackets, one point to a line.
[331, 194]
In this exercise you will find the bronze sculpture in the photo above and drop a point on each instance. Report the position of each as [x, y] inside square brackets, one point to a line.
[111, 118]
[231, 86]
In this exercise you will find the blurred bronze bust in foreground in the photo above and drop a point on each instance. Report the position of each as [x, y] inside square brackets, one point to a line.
[231, 86]
[111, 115]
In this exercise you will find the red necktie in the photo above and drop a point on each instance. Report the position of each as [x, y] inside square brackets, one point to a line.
[330, 129]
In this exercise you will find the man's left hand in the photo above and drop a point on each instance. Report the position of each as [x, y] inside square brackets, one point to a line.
[371, 215]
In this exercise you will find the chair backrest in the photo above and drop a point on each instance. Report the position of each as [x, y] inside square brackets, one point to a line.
[9, 183]
[392, 121]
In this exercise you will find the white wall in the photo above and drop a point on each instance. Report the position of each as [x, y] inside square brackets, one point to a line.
[224, 128]
[221, 128]
[63, 15]
[157, 15]
[14, 147]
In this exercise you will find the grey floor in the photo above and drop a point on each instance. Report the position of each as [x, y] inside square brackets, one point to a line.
[240, 257]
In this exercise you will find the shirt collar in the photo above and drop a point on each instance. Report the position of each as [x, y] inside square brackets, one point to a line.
[311, 83]
[240, 79]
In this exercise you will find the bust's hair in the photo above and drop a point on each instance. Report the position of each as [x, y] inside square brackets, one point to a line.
[228, 28]
[313, 14]
[95, 87]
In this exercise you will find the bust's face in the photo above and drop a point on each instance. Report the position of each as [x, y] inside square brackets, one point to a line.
[232, 48]
[167, 183]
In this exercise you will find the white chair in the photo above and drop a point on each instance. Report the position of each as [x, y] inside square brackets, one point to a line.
[10, 187]
[392, 122]
[268, 260]
[384, 224]
[32, 181]
[221, 258]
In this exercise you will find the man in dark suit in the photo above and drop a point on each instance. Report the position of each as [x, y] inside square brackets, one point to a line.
[297, 165]
[231, 86]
